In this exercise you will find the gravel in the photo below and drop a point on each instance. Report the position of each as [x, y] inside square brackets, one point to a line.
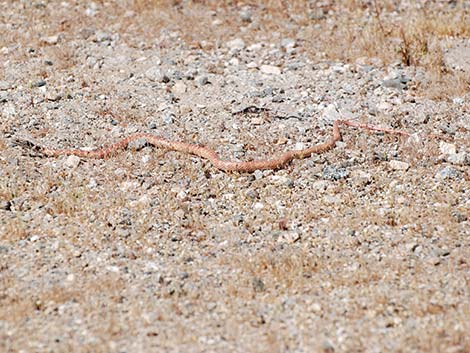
[362, 248]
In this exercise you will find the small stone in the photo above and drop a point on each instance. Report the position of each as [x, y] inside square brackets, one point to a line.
[447, 148]
[156, 75]
[50, 40]
[461, 158]
[4, 85]
[39, 83]
[258, 174]
[202, 80]
[270, 69]
[102, 36]
[234, 62]
[288, 43]
[398, 165]
[258, 206]
[252, 65]
[236, 44]
[245, 15]
[179, 88]
[316, 307]
[168, 117]
[5, 205]
[333, 173]
[92, 184]
[447, 173]
[394, 83]
[330, 113]
[252, 194]
[72, 162]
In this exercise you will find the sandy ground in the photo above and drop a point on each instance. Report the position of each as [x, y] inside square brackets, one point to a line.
[365, 248]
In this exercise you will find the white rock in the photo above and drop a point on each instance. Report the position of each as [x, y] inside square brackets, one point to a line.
[252, 65]
[72, 162]
[330, 113]
[179, 88]
[270, 69]
[236, 44]
[461, 158]
[398, 165]
[50, 40]
[447, 148]
[258, 206]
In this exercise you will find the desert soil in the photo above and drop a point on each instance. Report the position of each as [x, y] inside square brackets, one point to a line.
[365, 248]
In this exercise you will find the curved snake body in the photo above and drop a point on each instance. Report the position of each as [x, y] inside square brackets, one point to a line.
[208, 153]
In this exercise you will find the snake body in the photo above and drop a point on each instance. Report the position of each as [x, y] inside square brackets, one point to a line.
[208, 153]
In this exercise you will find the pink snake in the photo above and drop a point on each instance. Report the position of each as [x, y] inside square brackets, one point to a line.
[208, 153]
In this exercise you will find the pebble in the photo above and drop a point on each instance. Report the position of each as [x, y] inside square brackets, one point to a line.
[258, 206]
[236, 44]
[168, 117]
[102, 36]
[50, 40]
[331, 113]
[245, 14]
[72, 162]
[5, 205]
[288, 43]
[447, 148]
[4, 85]
[462, 158]
[202, 80]
[333, 173]
[447, 172]
[179, 88]
[270, 70]
[155, 74]
[398, 165]
[40, 83]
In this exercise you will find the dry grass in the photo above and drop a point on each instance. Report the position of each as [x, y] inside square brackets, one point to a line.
[344, 30]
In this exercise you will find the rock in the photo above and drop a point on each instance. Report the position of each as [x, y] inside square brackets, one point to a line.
[398, 165]
[236, 44]
[50, 40]
[4, 85]
[333, 173]
[179, 88]
[155, 74]
[270, 69]
[5, 205]
[461, 158]
[102, 36]
[72, 162]
[202, 80]
[245, 14]
[447, 173]
[258, 206]
[39, 83]
[252, 65]
[288, 43]
[447, 148]
[331, 114]
[168, 117]
[394, 83]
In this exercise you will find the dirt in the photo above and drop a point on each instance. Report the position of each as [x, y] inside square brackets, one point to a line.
[363, 248]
